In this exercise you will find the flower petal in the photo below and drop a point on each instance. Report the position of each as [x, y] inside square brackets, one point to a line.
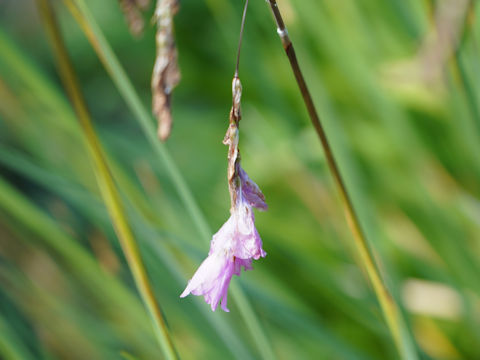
[247, 241]
[238, 263]
[252, 192]
[224, 237]
[212, 279]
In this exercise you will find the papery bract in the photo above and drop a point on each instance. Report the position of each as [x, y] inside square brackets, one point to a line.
[251, 191]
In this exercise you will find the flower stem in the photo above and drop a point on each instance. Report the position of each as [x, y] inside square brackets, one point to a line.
[242, 28]
[105, 181]
[389, 307]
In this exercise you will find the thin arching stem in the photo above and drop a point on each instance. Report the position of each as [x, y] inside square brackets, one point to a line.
[242, 28]
[391, 312]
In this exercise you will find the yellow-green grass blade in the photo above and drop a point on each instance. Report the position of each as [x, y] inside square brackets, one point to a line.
[106, 183]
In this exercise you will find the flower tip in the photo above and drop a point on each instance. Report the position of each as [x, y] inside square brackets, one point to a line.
[185, 293]
[223, 305]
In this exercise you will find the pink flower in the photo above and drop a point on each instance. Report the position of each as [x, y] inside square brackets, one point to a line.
[239, 235]
[237, 242]
[232, 247]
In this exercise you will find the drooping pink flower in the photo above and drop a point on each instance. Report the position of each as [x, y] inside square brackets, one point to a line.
[232, 247]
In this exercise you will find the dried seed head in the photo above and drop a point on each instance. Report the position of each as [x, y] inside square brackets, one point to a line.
[143, 4]
[133, 16]
[166, 74]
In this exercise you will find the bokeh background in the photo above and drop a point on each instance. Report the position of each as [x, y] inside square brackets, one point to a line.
[397, 84]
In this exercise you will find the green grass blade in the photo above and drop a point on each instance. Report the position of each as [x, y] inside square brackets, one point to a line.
[106, 183]
[11, 348]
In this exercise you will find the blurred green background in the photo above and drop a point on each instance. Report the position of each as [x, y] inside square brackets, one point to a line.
[397, 84]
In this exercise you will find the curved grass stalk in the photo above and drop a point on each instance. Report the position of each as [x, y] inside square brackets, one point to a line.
[14, 161]
[106, 183]
[111, 63]
[390, 309]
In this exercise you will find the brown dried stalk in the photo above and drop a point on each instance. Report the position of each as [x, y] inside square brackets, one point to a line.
[231, 139]
[166, 74]
[391, 311]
